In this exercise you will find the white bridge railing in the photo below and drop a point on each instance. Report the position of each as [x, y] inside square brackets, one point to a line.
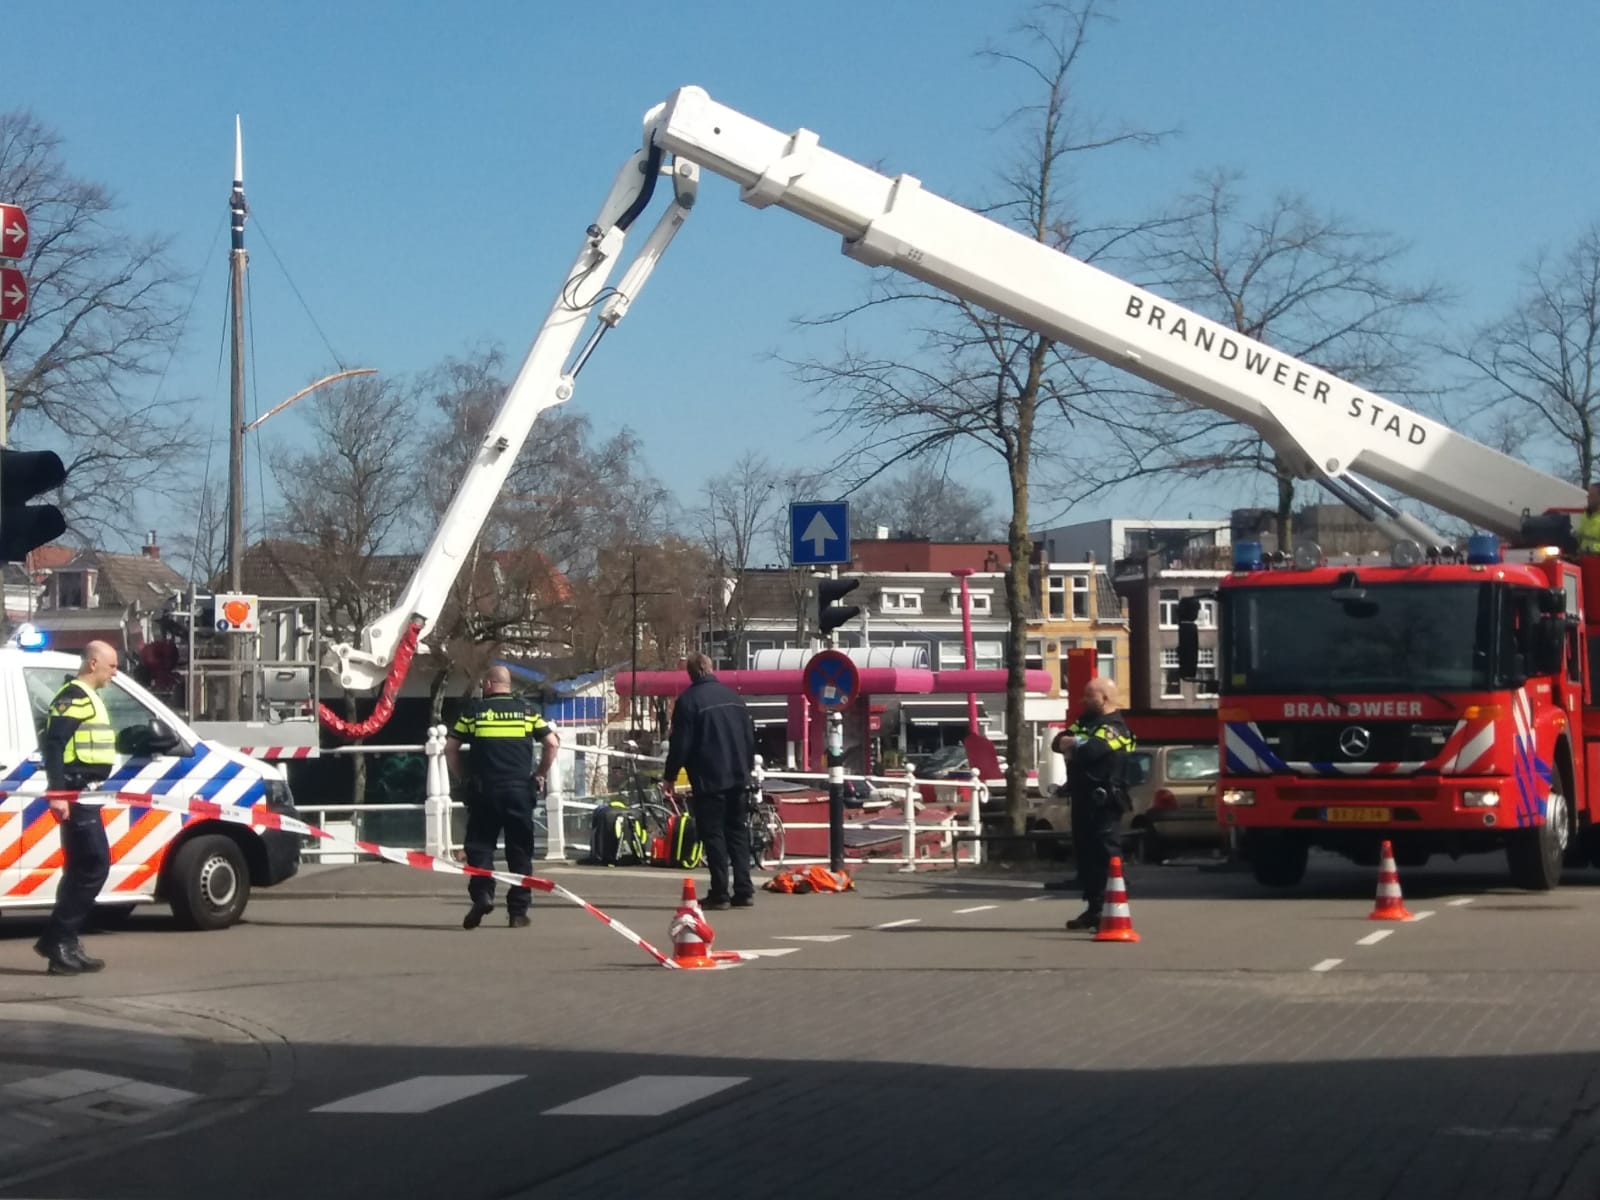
[562, 817]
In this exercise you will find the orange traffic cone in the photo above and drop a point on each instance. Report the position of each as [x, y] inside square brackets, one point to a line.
[691, 933]
[1390, 905]
[1116, 922]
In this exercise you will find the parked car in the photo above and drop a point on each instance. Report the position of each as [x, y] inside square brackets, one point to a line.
[1174, 791]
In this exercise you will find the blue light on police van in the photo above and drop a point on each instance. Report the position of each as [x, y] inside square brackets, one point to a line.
[30, 637]
[1483, 548]
[1247, 556]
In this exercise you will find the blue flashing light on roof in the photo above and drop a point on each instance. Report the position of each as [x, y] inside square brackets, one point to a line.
[30, 637]
[1483, 549]
[1247, 556]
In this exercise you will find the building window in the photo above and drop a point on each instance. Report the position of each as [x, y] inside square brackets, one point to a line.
[1033, 655]
[952, 656]
[1207, 618]
[71, 589]
[1056, 597]
[901, 600]
[989, 656]
[1080, 597]
[1167, 608]
[1171, 685]
[1105, 658]
[1205, 682]
[982, 602]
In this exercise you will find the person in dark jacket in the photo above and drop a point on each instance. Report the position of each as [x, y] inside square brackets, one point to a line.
[1096, 746]
[713, 738]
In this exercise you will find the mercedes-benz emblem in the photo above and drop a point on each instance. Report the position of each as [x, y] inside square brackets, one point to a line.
[1354, 741]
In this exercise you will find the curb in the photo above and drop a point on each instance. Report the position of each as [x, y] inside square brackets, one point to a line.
[230, 1064]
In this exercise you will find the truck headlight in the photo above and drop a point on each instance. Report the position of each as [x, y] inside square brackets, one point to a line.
[1480, 799]
[1238, 797]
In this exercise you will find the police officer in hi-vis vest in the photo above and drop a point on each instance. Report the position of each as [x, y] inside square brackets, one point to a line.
[79, 750]
[502, 729]
[1096, 746]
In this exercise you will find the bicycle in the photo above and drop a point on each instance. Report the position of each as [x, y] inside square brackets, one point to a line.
[766, 829]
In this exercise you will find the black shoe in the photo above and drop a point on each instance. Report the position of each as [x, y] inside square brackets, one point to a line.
[519, 921]
[717, 904]
[1088, 920]
[475, 915]
[62, 961]
[86, 962]
[744, 902]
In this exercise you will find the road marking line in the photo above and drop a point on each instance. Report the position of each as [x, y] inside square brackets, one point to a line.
[1460, 902]
[1327, 964]
[1372, 939]
[419, 1094]
[647, 1096]
[777, 952]
[811, 937]
[1510, 1133]
[1422, 916]
[899, 924]
[977, 908]
[1033, 899]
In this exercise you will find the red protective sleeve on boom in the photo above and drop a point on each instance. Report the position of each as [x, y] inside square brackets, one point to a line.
[391, 690]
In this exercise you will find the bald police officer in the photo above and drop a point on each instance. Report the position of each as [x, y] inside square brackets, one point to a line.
[79, 750]
[1096, 746]
[502, 729]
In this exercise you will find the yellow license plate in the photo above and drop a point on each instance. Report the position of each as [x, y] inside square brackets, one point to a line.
[1356, 816]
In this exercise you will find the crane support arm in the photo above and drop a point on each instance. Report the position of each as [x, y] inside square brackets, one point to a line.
[545, 379]
[1323, 427]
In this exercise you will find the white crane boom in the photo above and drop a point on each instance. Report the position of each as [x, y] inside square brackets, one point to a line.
[1322, 427]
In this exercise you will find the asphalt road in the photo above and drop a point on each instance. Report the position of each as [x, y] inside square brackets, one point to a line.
[934, 1034]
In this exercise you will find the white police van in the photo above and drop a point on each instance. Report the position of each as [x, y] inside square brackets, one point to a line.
[203, 868]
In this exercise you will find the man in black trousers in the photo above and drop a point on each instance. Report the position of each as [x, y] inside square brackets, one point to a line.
[714, 739]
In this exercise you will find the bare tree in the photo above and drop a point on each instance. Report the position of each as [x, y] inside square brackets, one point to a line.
[1541, 362]
[924, 501]
[735, 525]
[349, 504]
[980, 379]
[199, 536]
[1307, 282]
[102, 319]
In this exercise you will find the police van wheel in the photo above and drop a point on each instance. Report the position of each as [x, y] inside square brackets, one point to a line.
[210, 883]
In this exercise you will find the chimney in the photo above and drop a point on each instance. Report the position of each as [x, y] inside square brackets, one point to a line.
[151, 550]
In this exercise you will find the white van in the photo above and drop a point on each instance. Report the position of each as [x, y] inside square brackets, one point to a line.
[204, 869]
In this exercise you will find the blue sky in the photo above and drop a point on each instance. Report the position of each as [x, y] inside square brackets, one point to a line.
[426, 170]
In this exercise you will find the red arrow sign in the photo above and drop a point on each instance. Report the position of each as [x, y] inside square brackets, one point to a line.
[13, 231]
[13, 294]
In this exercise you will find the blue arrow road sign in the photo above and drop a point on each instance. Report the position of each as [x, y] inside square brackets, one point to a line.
[831, 679]
[819, 532]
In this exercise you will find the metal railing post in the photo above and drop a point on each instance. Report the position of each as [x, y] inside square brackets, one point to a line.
[979, 793]
[436, 800]
[555, 819]
[910, 810]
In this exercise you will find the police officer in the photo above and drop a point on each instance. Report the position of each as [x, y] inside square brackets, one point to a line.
[79, 750]
[502, 729]
[1097, 746]
[1589, 523]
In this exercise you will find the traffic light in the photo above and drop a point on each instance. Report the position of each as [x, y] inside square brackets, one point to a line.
[25, 527]
[830, 615]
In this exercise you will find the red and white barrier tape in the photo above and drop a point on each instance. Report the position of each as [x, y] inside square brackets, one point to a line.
[416, 859]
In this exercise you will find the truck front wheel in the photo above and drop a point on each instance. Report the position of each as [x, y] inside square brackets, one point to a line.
[1536, 855]
[1278, 860]
[209, 883]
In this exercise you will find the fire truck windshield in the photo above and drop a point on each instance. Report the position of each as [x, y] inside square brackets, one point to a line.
[1392, 637]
